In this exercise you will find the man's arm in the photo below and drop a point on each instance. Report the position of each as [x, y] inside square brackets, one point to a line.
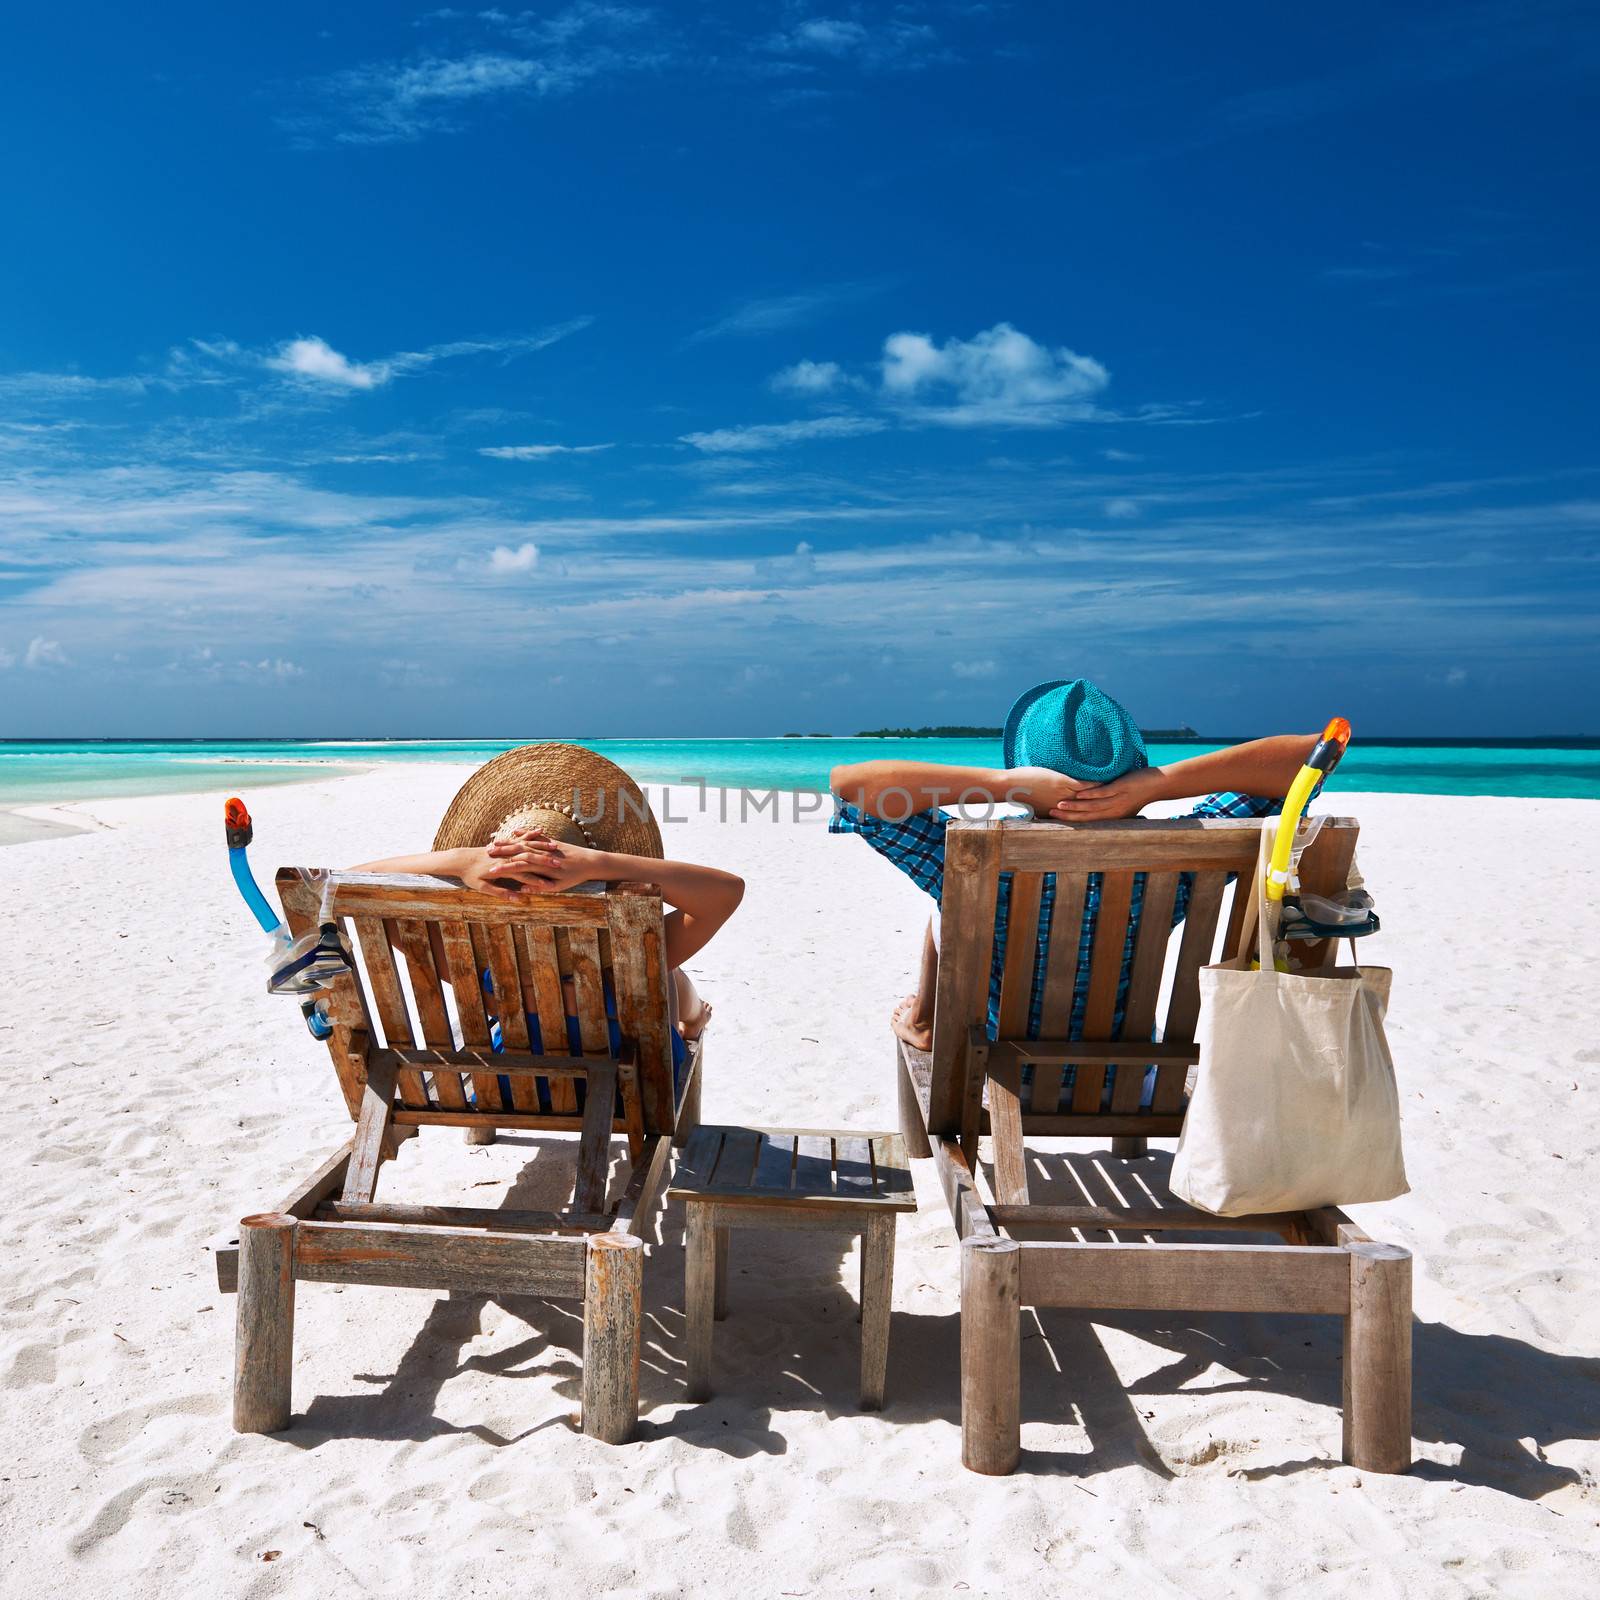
[1264, 767]
[894, 790]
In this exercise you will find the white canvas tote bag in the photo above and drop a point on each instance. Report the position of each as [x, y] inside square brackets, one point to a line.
[1295, 1102]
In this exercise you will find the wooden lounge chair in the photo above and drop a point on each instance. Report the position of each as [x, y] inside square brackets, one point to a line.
[1104, 1253]
[403, 1063]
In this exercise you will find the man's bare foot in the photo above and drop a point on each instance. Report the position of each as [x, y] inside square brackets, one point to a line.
[908, 1023]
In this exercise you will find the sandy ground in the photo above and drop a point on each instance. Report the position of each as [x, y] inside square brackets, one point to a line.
[154, 1094]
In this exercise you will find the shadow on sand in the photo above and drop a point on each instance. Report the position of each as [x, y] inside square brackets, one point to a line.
[791, 1342]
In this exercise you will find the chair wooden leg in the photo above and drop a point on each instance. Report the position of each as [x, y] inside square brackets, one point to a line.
[480, 1135]
[723, 1236]
[689, 1110]
[612, 1302]
[701, 1287]
[264, 1330]
[991, 1354]
[877, 1305]
[1377, 1359]
[912, 1128]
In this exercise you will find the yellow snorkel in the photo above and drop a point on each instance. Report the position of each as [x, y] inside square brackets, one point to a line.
[1323, 759]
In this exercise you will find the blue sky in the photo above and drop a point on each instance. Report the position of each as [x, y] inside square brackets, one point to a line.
[698, 369]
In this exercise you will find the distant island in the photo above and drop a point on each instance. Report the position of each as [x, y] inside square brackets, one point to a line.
[1155, 735]
[930, 733]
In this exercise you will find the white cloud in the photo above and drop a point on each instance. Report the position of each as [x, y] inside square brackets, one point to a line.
[1000, 377]
[1122, 510]
[316, 360]
[45, 653]
[974, 669]
[312, 360]
[777, 312]
[273, 668]
[538, 452]
[395, 102]
[885, 45]
[770, 435]
[808, 377]
[7, 658]
[524, 558]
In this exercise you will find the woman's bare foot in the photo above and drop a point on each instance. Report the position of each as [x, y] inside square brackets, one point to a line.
[693, 1027]
[693, 1012]
[909, 1024]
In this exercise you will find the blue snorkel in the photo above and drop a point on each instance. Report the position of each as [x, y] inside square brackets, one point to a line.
[241, 830]
[285, 979]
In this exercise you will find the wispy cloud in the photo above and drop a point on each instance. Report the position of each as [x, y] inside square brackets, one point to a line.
[770, 435]
[60, 386]
[314, 360]
[42, 654]
[401, 101]
[808, 377]
[539, 452]
[888, 44]
[775, 313]
[307, 363]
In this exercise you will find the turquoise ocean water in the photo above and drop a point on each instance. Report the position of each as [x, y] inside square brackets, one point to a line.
[49, 772]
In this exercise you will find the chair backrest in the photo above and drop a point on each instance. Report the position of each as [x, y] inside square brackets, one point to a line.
[418, 945]
[1140, 865]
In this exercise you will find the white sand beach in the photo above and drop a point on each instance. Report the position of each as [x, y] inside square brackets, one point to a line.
[154, 1094]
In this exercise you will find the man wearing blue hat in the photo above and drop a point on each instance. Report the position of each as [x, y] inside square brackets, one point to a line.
[1072, 754]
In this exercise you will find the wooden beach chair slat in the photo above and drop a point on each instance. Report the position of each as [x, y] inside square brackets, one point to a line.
[390, 1002]
[1183, 1010]
[1005, 1123]
[1241, 900]
[1060, 982]
[416, 944]
[1105, 976]
[1022, 935]
[542, 965]
[589, 993]
[1144, 984]
[467, 987]
[594, 1145]
[638, 956]
[509, 1006]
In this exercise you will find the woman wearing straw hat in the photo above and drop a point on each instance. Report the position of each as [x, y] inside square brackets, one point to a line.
[550, 817]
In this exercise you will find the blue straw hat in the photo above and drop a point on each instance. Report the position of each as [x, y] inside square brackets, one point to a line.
[1072, 727]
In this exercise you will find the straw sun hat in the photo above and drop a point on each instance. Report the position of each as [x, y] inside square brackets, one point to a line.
[571, 793]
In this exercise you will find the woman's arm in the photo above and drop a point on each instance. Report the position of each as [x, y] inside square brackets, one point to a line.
[894, 790]
[1263, 767]
[473, 865]
[703, 898]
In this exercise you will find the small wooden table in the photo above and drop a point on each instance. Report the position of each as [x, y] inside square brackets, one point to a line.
[731, 1177]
